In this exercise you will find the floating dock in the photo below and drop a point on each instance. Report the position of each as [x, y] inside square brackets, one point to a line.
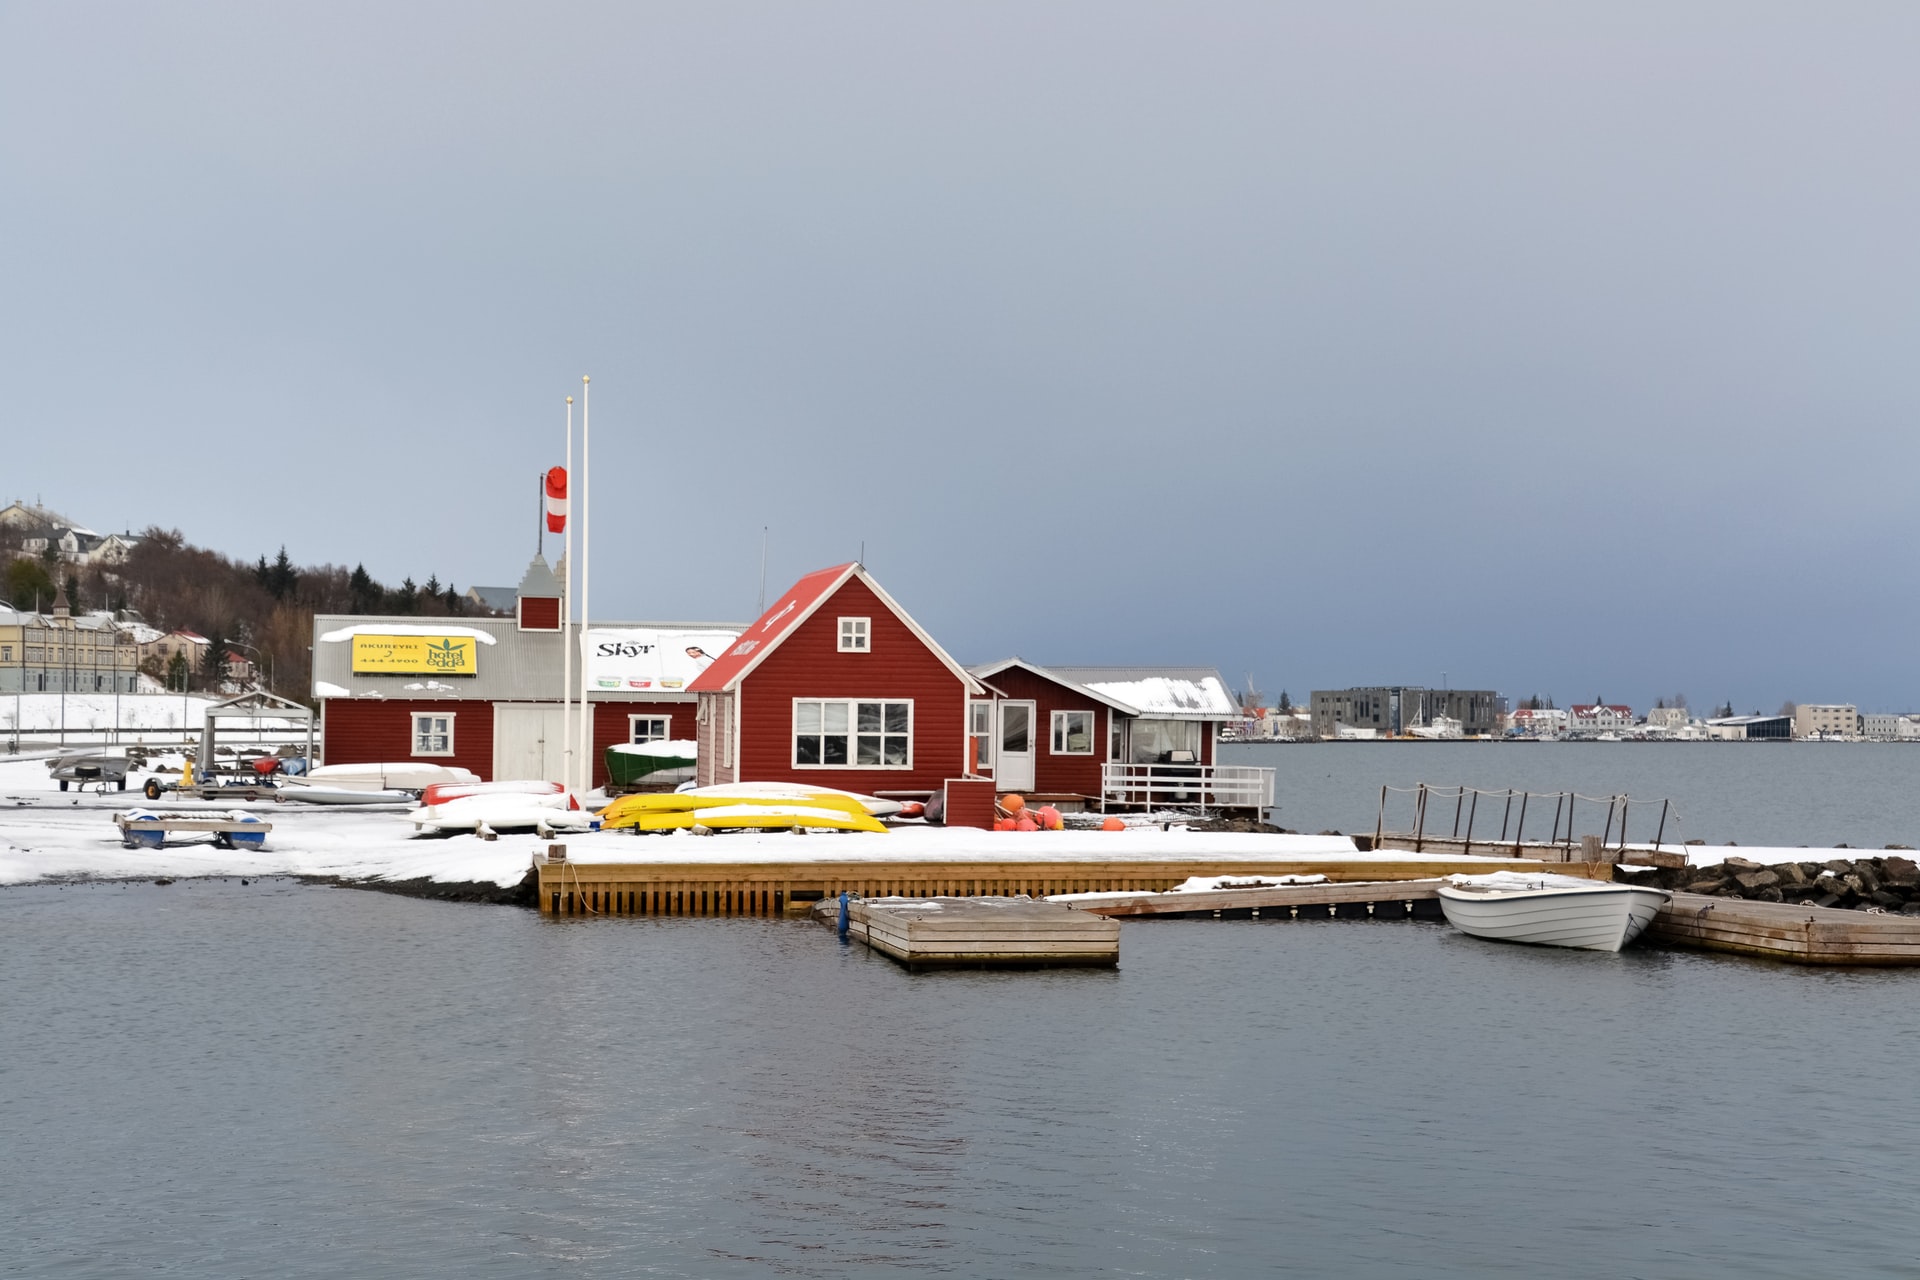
[925, 933]
[1786, 931]
[771, 888]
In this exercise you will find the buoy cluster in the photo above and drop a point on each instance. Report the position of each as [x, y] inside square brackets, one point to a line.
[1013, 813]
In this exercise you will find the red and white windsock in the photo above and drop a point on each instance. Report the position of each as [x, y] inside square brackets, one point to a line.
[557, 500]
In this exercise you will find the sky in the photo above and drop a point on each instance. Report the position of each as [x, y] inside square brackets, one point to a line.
[1564, 348]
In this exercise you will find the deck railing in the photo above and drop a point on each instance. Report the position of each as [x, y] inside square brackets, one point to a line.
[1207, 786]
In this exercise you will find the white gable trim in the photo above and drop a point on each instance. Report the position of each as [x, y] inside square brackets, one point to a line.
[1010, 663]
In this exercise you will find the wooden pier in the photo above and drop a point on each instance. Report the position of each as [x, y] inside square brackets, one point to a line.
[1786, 931]
[924, 933]
[774, 888]
[1363, 900]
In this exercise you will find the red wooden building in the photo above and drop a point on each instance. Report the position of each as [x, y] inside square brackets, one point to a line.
[485, 693]
[836, 686]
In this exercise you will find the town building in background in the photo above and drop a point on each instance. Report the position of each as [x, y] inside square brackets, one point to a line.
[59, 653]
[1750, 729]
[1397, 710]
[1594, 720]
[1826, 720]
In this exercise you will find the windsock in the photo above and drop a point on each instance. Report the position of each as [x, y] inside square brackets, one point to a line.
[557, 500]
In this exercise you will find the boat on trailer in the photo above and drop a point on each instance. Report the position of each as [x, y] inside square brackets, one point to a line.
[1550, 910]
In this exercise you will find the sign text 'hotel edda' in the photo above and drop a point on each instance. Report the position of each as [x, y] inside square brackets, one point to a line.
[414, 655]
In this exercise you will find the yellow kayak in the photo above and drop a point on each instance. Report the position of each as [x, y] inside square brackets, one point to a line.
[657, 812]
[742, 817]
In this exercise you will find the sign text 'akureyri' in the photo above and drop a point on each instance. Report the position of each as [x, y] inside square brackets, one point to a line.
[414, 655]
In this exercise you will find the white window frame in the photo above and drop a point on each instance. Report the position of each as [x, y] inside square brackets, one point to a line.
[976, 708]
[1057, 736]
[633, 728]
[414, 736]
[853, 732]
[856, 636]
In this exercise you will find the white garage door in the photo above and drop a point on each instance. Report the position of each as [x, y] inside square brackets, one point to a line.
[528, 742]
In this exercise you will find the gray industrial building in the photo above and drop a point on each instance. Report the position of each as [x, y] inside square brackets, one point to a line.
[1393, 709]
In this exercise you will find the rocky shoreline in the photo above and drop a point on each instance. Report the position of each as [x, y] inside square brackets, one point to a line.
[524, 894]
[1888, 884]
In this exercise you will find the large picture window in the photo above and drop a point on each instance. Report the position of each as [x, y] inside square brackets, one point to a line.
[847, 734]
[1073, 733]
[432, 734]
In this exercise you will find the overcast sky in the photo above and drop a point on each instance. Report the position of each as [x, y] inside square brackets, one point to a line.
[1566, 348]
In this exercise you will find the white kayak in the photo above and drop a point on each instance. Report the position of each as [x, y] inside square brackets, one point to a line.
[504, 812]
[794, 791]
[402, 775]
[1550, 910]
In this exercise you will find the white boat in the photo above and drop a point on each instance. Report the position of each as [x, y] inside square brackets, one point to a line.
[506, 811]
[1550, 910]
[403, 775]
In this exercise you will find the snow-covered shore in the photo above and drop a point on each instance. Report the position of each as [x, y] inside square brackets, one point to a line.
[47, 835]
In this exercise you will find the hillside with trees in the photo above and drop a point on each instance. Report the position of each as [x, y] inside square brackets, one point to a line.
[263, 610]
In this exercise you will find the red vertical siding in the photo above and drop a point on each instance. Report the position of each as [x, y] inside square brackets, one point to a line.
[378, 730]
[1057, 774]
[969, 803]
[808, 664]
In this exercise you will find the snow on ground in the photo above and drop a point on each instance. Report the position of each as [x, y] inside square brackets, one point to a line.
[94, 712]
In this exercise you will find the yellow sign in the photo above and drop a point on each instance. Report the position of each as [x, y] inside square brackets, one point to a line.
[414, 655]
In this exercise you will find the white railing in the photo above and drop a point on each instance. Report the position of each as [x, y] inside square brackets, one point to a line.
[1208, 786]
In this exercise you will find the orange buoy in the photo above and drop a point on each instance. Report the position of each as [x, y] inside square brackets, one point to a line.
[1048, 817]
[1003, 824]
[1026, 823]
[1113, 824]
[1013, 804]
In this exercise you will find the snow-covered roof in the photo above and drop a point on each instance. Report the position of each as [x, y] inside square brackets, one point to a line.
[988, 670]
[405, 629]
[1189, 693]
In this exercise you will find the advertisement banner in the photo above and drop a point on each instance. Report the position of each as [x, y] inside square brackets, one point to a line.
[649, 659]
[415, 655]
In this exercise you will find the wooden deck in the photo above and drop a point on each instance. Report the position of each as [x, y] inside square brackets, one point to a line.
[1784, 931]
[924, 933]
[773, 888]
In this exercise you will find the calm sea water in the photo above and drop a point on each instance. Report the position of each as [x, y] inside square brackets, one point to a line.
[1865, 794]
[211, 1080]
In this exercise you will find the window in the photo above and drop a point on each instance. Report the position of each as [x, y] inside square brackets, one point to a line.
[1160, 741]
[853, 635]
[1073, 733]
[852, 735]
[980, 730]
[432, 734]
[649, 728]
[6, 653]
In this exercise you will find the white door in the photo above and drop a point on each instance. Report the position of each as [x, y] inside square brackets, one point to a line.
[528, 742]
[1013, 771]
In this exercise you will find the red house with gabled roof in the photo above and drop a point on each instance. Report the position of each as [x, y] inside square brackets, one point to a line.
[836, 686]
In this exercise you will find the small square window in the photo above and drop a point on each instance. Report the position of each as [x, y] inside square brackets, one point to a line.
[432, 734]
[649, 729]
[853, 635]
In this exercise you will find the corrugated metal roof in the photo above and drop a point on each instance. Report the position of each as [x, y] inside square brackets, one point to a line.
[519, 666]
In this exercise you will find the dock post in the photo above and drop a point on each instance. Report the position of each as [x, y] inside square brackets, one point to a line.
[1571, 797]
[1471, 810]
[1607, 832]
[1663, 823]
[1379, 823]
[1458, 801]
[1419, 816]
[1520, 831]
[1625, 801]
[1553, 836]
[1505, 814]
[843, 914]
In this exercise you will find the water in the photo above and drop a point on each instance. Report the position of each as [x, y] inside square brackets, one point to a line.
[211, 1080]
[1866, 795]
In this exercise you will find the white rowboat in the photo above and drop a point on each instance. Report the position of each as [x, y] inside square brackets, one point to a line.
[1551, 911]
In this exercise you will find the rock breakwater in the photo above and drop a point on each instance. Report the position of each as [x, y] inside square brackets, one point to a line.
[1890, 884]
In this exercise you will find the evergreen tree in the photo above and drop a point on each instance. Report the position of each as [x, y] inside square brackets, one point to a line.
[262, 574]
[1286, 703]
[178, 672]
[455, 604]
[213, 666]
[283, 580]
[363, 593]
[433, 584]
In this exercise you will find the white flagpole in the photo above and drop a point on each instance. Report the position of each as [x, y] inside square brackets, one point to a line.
[586, 564]
[566, 626]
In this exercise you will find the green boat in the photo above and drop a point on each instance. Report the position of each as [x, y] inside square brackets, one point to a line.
[651, 766]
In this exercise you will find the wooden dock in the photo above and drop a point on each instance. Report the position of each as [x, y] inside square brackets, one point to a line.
[1785, 931]
[925, 933]
[774, 888]
[1365, 900]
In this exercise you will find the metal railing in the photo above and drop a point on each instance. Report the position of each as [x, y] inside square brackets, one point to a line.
[1207, 786]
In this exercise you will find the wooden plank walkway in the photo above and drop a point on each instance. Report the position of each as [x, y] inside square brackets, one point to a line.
[1365, 900]
[1785, 931]
[772, 888]
[923, 933]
